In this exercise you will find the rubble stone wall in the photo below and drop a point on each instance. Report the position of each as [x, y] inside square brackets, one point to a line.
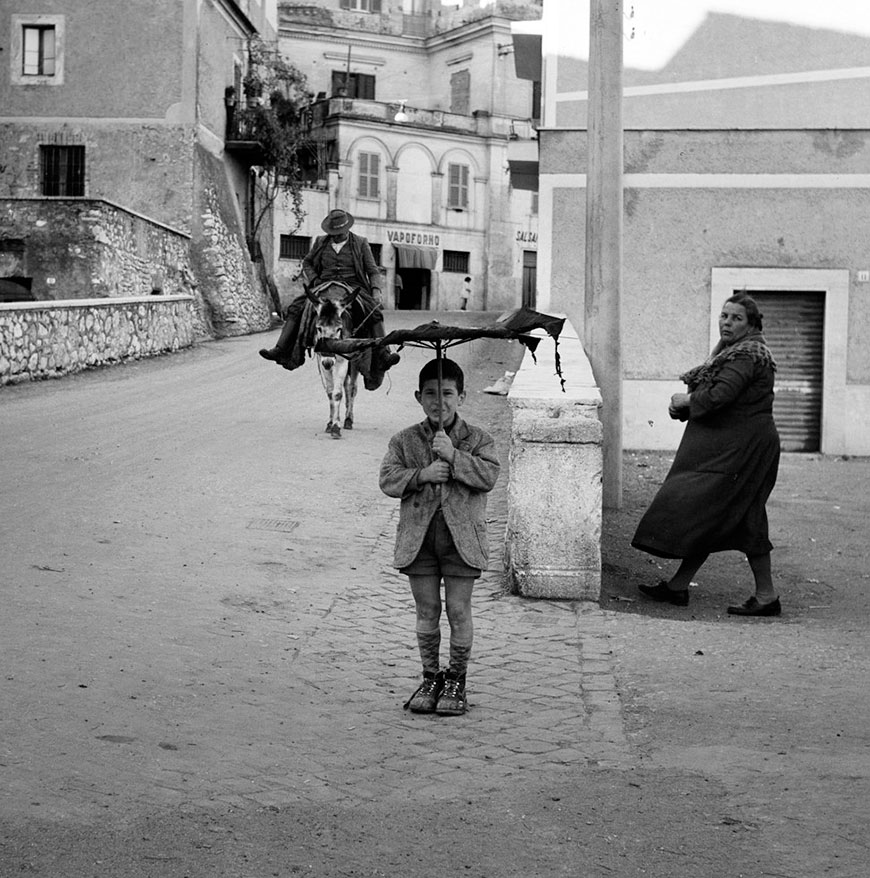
[50, 339]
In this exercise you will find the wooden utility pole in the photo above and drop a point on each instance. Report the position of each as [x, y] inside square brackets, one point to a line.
[602, 334]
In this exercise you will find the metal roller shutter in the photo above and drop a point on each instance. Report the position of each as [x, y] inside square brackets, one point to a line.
[794, 328]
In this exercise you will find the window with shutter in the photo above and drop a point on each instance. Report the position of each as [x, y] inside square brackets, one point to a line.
[369, 175]
[457, 187]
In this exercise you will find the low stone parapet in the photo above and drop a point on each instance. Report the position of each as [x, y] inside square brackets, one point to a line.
[49, 339]
[553, 539]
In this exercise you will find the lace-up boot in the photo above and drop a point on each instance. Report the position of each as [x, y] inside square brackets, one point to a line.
[452, 701]
[426, 695]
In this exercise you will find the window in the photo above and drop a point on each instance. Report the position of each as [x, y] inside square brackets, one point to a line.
[62, 170]
[369, 175]
[294, 246]
[357, 85]
[457, 187]
[455, 260]
[460, 92]
[362, 5]
[37, 49]
[377, 252]
[39, 55]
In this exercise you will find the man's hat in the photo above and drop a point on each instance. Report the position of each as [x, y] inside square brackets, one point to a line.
[337, 221]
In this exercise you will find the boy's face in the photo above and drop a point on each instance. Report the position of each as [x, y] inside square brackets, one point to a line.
[451, 399]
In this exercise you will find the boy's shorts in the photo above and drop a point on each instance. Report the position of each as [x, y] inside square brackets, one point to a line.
[438, 555]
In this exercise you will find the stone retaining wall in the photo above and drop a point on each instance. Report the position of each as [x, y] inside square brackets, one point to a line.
[553, 540]
[49, 339]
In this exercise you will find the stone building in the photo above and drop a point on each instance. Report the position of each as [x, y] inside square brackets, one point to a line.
[116, 179]
[416, 106]
[747, 166]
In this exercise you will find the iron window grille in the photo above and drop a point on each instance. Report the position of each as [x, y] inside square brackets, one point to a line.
[455, 261]
[62, 170]
[294, 246]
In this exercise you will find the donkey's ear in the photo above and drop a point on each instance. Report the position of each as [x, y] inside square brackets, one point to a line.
[311, 297]
[350, 298]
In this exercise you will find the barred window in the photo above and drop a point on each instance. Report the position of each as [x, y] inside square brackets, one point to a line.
[369, 175]
[457, 187]
[455, 260]
[62, 170]
[39, 50]
[294, 246]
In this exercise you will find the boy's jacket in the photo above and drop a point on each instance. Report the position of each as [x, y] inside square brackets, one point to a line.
[462, 498]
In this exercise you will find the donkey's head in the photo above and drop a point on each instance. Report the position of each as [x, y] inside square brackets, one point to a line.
[332, 316]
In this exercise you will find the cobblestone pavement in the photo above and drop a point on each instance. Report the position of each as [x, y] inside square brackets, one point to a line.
[236, 611]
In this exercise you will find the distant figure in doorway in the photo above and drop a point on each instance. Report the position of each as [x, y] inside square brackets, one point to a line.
[339, 255]
[466, 293]
[713, 499]
[398, 287]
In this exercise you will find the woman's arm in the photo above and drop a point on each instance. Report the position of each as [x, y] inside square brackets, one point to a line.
[726, 388]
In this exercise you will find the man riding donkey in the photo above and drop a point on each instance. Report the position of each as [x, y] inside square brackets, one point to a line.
[339, 255]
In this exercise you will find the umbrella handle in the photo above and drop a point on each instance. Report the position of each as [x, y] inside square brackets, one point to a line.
[438, 359]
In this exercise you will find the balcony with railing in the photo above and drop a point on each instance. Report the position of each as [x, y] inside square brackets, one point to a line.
[399, 114]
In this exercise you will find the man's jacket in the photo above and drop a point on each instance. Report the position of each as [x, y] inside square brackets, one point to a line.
[368, 275]
[462, 498]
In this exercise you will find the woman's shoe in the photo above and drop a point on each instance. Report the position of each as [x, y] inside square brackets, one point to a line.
[661, 592]
[752, 607]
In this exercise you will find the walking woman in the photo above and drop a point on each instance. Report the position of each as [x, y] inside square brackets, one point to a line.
[713, 499]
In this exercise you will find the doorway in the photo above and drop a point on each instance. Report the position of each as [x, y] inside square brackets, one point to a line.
[530, 278]
[832, 285]
[415, 290]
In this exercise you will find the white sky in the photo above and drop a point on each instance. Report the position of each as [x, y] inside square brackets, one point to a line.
[662, 26]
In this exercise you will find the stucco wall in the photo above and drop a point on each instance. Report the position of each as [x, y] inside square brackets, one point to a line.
[99, 43]
[50, 340]
[147, 168]
[695, 201]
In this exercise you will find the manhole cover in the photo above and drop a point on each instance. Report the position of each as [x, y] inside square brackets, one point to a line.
[282, 525]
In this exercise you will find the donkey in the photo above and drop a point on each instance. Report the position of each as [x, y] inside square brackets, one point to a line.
[332, 307]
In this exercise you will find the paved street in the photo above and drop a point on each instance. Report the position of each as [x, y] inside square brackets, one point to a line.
[206, 653]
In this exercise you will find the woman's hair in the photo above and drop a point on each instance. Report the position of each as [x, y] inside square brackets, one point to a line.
[753, 315]
[450, 371]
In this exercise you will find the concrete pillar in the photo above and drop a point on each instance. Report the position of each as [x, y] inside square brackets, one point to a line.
[604, 210]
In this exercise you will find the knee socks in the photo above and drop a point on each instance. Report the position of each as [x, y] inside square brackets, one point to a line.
[429, 644]
[460, 653]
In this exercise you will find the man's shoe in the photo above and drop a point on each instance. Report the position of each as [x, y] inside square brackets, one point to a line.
[425, 697]
[662, 593]
[270, 354]
[452, 701]
[752, 607]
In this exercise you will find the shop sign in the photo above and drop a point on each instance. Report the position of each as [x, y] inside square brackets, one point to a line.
[527, 237]
[421, 239]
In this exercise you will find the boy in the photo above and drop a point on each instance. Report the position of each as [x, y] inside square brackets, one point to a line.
[442, 478]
